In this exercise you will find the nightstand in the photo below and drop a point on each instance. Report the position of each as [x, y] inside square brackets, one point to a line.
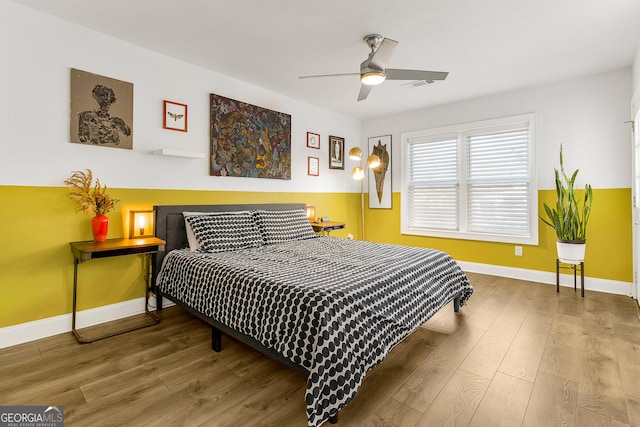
[327, 226]
[89, 250]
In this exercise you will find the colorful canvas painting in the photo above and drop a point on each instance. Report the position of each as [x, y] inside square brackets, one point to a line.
[249, 141]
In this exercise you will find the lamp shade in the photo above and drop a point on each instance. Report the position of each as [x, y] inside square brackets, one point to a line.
[373, 161]
[311, 213]
[355, 153]
[357, 173]
[372, 78]
[141, 224]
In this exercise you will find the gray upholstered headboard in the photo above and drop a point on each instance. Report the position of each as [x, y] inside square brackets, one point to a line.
[169, 223]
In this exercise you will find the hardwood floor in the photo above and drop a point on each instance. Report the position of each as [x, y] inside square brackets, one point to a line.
[518, 354]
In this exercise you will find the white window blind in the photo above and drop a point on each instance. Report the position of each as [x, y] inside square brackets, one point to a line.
[471, 181]
[433, 174]
[498, 182]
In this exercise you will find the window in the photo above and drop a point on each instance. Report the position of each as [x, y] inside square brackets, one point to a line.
[472, 181]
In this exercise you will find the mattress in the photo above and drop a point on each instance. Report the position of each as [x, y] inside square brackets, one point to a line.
[333, 306]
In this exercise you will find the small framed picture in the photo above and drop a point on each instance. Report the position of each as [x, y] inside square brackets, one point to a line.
[313, 166]
[336, 152]
[313, 140]
[175, 116]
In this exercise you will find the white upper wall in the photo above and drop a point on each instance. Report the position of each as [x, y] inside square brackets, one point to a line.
[586, 115]
[37, 52]
[636, 82]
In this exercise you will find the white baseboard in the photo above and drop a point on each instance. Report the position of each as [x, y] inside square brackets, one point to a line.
[590, 283]
[30, 331]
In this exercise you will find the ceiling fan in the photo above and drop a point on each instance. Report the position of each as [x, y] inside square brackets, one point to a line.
[374, 71]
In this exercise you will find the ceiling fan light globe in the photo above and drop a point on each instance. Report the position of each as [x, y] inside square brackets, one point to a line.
[372, 78]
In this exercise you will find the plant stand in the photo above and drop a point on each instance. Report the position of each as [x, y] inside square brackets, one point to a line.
[570, 266]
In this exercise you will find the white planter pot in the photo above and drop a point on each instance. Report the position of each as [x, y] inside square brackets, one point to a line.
[571, 252]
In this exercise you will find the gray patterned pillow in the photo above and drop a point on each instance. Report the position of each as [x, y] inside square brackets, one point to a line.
[224, 231]
[283, 226]
[191, 238]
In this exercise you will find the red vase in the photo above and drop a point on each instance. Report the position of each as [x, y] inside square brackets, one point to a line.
[100, 225]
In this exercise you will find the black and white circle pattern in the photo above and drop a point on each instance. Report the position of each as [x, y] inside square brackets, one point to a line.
[334, 306]
[283, 226]
[225, 231]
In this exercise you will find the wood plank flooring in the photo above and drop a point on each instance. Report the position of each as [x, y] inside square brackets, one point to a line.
[518, 354]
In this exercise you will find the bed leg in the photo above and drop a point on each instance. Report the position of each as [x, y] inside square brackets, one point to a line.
[333, 419]
[456, 304]
[158, 301]
[216, 339]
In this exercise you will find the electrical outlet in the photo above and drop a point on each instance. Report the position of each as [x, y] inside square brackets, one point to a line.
[518, 250]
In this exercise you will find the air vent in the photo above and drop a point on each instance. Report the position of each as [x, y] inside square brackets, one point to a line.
[417, 83]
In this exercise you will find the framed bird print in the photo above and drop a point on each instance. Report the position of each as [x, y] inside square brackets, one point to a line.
[175, 116]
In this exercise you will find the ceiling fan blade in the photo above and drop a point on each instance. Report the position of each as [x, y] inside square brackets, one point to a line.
[382, 55]
[429, 76]
[328, 75]
[364, 92]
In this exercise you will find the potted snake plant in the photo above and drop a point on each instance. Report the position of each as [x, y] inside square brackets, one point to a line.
[569, 216]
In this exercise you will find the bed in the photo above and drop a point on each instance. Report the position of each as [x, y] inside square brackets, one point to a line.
[329, 307]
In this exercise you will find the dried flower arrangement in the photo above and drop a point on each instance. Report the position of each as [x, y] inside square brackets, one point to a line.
[92, 200]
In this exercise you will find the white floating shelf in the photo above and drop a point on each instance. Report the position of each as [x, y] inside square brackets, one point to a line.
[179, 153]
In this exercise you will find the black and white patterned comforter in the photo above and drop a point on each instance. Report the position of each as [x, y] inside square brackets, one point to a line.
[334, 306]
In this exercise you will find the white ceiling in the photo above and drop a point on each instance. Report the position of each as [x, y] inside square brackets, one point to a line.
[488, 46]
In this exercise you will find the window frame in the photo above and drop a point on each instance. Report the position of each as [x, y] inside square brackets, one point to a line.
[462, 131]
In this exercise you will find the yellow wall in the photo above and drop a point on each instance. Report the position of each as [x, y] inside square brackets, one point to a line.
[609, 243]
[38, 223]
